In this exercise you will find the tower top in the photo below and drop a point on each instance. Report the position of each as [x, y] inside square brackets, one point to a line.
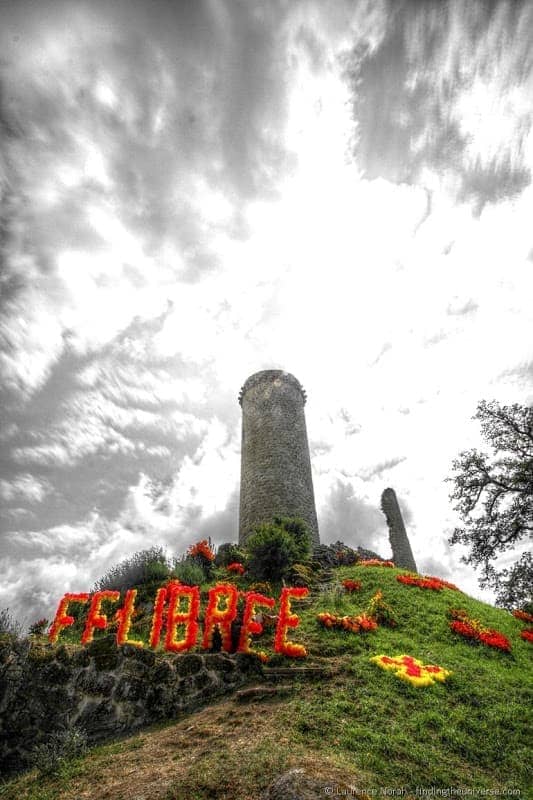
[273, 376]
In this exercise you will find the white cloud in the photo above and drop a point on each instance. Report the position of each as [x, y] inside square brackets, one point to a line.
[25, 487]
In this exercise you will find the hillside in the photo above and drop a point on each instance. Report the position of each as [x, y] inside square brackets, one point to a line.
[358, 725]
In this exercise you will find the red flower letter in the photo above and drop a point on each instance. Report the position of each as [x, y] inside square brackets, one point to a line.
[249, 625]
[188, 618]
[157, 616]
[221, 617]
[62, 619]
[288, 620]
[124, 615]
[94, 618]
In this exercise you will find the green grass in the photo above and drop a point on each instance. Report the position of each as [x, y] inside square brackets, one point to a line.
[471, 732]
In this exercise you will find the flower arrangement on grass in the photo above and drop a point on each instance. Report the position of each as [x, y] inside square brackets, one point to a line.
[236, 568]
[472, 629]
[351, 586]
[375, 562]
[379, 610]
[428, 582]
[358, 624]
[410, 669]
[522, 615]
[527, 635]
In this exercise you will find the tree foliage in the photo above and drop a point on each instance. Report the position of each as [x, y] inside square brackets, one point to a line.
[275, 546]
[493, 495]
[145, 567]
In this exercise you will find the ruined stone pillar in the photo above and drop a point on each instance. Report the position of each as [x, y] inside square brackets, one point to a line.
[275, 463]
[402, 554]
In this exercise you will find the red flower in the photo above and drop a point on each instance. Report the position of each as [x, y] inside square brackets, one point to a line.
[358, 624]
[202, 548]
[351, 586]
[237, 567]
[527, 635]
[523, 615]
[428, 582]
[472, 629]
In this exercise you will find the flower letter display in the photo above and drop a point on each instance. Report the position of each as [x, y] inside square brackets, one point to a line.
[412, 670]
[62, 619]
[249, 624]
[176, 618]
[288, 620]
[220, 617]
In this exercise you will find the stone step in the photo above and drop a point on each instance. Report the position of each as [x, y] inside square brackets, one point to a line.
[252, 693]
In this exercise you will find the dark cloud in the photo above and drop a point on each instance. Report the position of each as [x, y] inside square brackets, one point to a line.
[405, 93]
[352, 520]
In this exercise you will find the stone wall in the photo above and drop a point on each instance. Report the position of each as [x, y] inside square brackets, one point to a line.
[105, 690]
[275, 464]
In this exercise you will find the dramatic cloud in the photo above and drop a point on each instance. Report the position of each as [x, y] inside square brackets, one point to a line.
[192, 192]
[449, 92]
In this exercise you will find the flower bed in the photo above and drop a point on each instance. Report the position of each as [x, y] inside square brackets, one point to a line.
[379, 610]
[522, 615]
[527, 635]
[428, 582]
[375, 562]
[410, 669]
[474, 630]
[358, 624]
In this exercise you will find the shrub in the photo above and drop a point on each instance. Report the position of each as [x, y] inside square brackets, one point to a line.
[228, 553]
[301, 575]
[9, 626]
[298, 529]
[188, 572]
[203, 554]
[272, 552]
[146, 566]
[39, 628]
[63, 746]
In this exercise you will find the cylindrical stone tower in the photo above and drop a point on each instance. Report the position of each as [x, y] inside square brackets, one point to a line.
[275, 464]
[402, 555]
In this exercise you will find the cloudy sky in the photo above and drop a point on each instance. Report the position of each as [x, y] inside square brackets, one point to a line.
[193, 191]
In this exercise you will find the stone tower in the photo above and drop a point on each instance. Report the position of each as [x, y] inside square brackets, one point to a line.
[275, 464]
[402, 555]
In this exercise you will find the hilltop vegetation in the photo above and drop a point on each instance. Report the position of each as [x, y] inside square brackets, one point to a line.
[361, 725]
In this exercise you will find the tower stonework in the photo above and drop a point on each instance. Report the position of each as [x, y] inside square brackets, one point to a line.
[275, 463]
[402, 555]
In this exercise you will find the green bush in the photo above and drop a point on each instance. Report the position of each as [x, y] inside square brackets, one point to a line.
[146, 566]
[301, 575]
[50, 756]
[298, 529]
[189, 572]
[228, 553]
[271, 553]
[274, 547]
[9, 626]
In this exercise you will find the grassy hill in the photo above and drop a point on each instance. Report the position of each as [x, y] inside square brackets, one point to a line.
[359, 726]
